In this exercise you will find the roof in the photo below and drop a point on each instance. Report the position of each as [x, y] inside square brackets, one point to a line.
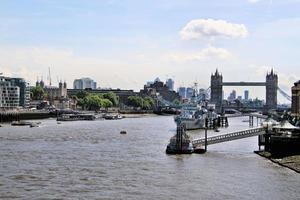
[286, 125]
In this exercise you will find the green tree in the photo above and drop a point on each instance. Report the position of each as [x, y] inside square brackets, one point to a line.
[82, 94]
[112, 97]
[135, 101]
[92, 102]
[106, 103]
[38, 93]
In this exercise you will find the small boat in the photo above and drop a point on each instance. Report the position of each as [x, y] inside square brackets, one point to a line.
[21, 123]
[123, 132]
[112, 117]
[32, 125]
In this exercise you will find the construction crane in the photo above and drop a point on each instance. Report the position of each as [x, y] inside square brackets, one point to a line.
[49, 77]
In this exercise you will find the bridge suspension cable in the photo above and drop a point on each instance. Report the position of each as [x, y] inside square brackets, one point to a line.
[284, 94]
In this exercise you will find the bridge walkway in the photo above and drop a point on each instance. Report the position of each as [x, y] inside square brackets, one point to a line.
[230, 136]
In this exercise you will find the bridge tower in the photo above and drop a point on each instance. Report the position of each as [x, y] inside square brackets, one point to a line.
[271, 90]
[216, 86]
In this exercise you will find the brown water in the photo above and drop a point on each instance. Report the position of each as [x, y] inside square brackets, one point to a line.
[92, 160]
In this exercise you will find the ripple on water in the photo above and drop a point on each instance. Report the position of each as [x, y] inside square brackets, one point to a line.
[91, 160]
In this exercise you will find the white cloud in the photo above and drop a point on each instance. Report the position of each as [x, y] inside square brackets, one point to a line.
[208, 53]
[211, 28]
[253, 1]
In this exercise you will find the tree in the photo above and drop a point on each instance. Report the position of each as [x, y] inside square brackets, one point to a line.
[146, 103]
[112, 97]
[106, 103]
[37, 93]
[82, 94]
[135, 101]
[92, 102]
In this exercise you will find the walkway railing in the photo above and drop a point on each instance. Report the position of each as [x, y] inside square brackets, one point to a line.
[230, 136]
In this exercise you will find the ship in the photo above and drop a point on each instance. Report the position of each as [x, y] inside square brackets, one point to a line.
[75, 117]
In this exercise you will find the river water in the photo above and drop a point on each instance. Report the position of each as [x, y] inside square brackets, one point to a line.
[92, 160]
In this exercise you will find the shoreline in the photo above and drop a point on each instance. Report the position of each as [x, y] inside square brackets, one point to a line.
[290, 162]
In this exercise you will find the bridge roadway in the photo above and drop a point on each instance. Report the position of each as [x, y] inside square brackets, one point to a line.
[244, 83]
[247, 115]
[229, 136]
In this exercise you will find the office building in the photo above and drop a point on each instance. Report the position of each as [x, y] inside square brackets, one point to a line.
[246, 95]
[14, 92]
[189, 92]
[84, 83]
[170, 84]
[182, 92]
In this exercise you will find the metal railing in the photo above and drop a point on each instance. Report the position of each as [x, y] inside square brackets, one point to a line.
[230, 136]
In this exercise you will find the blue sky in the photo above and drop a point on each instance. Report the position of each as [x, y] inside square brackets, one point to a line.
[123, 44]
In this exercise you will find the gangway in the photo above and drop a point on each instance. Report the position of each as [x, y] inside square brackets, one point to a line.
[230, 136]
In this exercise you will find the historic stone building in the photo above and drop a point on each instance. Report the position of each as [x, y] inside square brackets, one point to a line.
[271, 90]
[54, 92]
[296, 99]
[216, 82]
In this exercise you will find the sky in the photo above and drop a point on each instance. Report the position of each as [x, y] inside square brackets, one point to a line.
[125, 43]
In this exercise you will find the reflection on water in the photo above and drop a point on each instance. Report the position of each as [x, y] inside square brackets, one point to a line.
[92, 160]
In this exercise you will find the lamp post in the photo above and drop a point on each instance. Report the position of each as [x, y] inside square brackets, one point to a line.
[205, 141]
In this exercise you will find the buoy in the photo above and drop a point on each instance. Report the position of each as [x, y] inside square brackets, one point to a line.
[123, 132]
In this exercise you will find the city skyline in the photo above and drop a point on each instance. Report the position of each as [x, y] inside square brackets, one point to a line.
[122, 44]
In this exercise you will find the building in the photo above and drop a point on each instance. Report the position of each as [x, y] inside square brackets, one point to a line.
[159, 88]
[14, 92]
[54, 92]
[271, 90]
[296, 99]
[216, 85]
[84, 83]
[189, 92]
[246, 95]
[232, 96]
[182, 92]
[170, 84]
[203, 94]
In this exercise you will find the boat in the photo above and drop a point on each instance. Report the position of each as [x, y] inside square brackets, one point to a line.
[21, 123]
[112, 117]
[75, 117]
[33, 125]
[123, 132]
[194, 116]
[180, 143]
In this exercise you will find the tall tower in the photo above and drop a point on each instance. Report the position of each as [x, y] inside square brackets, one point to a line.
[271, 90]
[216, 86]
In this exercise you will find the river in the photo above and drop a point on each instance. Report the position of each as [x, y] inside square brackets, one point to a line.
[92, 160]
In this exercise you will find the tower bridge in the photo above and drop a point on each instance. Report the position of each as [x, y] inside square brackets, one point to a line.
[217, 84]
